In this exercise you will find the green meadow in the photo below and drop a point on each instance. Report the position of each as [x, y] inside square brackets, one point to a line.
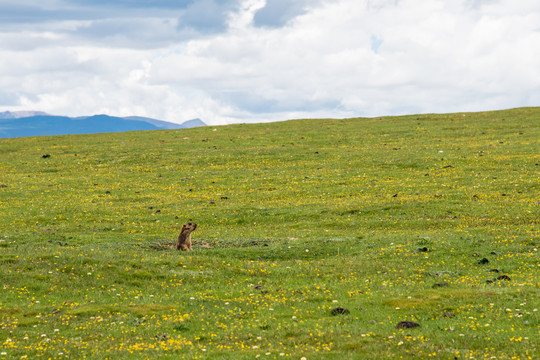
[430, 219]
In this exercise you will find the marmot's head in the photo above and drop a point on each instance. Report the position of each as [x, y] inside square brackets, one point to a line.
[189, 227]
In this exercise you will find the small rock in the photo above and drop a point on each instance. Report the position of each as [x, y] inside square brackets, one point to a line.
[162, 337]
[46, 156]
[504, 277]
[443, 284]
[483, 261]
[407, 325]
[448, 314]
[339, 311]
[422, 249]
[494, 270]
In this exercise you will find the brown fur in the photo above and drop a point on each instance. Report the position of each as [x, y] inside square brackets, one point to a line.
[184, 239]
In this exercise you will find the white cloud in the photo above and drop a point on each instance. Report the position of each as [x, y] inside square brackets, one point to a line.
[339, 58]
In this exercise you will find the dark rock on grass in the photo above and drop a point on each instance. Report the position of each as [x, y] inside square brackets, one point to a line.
[448, 314]
[162, 337]
[443, 284]
[46, 156]
[483, 261]
[504, 277]
[3, 186]
[407, 325]
[339, 311]
[422, 249]
[59, 243]
[260, 288]
[494, 270]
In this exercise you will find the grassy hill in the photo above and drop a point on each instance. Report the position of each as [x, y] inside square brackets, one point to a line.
[432, 219]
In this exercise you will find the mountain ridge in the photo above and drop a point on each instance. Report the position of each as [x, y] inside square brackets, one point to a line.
[37, 123]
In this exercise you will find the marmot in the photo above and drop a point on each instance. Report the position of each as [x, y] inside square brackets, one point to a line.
[184, 239]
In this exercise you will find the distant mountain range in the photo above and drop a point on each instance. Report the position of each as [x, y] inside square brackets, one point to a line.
[37, 123]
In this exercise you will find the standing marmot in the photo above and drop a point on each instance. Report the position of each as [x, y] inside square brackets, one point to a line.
[184, 239]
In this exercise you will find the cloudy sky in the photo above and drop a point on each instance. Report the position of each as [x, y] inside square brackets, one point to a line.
[228, 61]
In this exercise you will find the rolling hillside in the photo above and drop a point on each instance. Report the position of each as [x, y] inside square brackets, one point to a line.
[411, 237]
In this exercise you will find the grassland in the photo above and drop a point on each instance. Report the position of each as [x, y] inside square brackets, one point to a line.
[432, 219]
